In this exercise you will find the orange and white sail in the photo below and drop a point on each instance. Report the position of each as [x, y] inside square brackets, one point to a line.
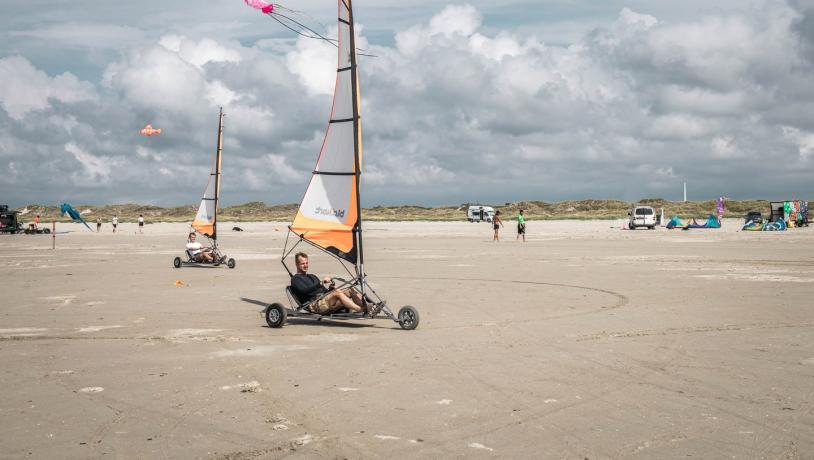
[206, 219]
[329, 212]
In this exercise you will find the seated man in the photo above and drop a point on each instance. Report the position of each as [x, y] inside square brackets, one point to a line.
[197, 251]
[307, 287]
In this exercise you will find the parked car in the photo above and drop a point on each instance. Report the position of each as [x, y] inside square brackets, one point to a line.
[642, 216]
[753, 216]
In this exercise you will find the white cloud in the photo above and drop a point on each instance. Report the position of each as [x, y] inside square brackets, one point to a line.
[804, 140]
[314, 64]
[453, 20]
[199, 53]
[25, 88]
[94, 168]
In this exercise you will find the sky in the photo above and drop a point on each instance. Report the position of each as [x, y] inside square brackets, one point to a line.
[478, 101]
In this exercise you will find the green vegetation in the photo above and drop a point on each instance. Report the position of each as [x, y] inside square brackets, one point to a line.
[534, 210]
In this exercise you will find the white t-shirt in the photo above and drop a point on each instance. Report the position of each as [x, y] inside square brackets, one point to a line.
[140, 220]
[115, 220]
[194, 248]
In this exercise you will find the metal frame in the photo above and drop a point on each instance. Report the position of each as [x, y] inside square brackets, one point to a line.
[358, 281]
[213, 245]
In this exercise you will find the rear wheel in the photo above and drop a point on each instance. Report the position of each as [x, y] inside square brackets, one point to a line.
[276, 315]
[231, 263]
[176, 262]
[408, 318]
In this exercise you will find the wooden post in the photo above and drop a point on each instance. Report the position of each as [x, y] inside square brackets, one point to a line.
[53, 234]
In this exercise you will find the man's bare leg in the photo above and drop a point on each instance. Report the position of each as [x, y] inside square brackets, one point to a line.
[345, 300]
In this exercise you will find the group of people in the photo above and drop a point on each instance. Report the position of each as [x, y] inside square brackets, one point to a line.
[115, 223]
[497, 222]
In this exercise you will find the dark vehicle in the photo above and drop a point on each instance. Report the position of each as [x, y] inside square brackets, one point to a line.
[753, 216]
[8, 221]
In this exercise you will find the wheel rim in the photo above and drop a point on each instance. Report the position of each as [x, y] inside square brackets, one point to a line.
[274, 315]
[407, 318]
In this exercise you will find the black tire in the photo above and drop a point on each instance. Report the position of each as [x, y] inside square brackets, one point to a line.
[231, 263]
[276, 315]
[408, 318]
[652, 227]
[47, 231]
[176, 262]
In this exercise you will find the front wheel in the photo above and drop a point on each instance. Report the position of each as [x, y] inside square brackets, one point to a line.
[47, 231]
[231, 263]
[408, 318]
[276, 315]
[176, 262]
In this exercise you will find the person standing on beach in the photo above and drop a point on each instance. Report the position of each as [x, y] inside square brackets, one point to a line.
[496, 224]
[98, 224]
[140, 223]
[115, 222]
[521, 226]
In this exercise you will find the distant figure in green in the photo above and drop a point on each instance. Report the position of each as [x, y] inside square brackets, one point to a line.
[521, 226]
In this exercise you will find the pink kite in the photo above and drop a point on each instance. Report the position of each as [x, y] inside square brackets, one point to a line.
[260, 5]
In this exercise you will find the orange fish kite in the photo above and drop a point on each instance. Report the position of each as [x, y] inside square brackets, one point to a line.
[150, 131]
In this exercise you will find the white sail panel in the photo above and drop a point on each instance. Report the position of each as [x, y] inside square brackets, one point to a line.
[204, 222]
[328, 200]
[334, 152]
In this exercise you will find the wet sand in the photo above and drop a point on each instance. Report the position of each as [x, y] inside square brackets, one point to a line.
[586, 342]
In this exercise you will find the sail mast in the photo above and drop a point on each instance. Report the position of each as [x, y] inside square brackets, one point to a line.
[217, 174]
[356, 139]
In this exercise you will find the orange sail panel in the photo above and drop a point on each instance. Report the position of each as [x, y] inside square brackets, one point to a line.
[328, 214]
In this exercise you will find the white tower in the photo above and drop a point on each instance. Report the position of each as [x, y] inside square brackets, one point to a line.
[685, 191]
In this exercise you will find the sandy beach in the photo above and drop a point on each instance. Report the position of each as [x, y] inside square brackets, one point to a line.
[587, 341]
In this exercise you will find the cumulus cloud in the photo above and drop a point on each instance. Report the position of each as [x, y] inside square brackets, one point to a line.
[454, 109]
[26, 88]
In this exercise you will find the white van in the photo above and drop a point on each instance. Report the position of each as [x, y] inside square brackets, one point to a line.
[480, 213]
[642, 216]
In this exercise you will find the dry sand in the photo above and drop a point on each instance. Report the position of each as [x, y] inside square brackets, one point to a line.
[585, 342]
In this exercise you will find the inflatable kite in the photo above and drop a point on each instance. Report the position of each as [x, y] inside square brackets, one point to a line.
[150, 131]
[260, 5]
[65, 208]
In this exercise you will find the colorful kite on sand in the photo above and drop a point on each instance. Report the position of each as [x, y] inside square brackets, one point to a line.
[65, 208]
[150, 131]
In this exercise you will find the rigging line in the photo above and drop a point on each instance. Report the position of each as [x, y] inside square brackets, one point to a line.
[316, 35]
[298, 32]
[303, 13]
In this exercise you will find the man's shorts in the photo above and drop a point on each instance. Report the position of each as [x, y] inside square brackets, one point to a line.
[321, 306]
[521, 229]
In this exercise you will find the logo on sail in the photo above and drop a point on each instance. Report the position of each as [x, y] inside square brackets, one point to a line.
[320, 211]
